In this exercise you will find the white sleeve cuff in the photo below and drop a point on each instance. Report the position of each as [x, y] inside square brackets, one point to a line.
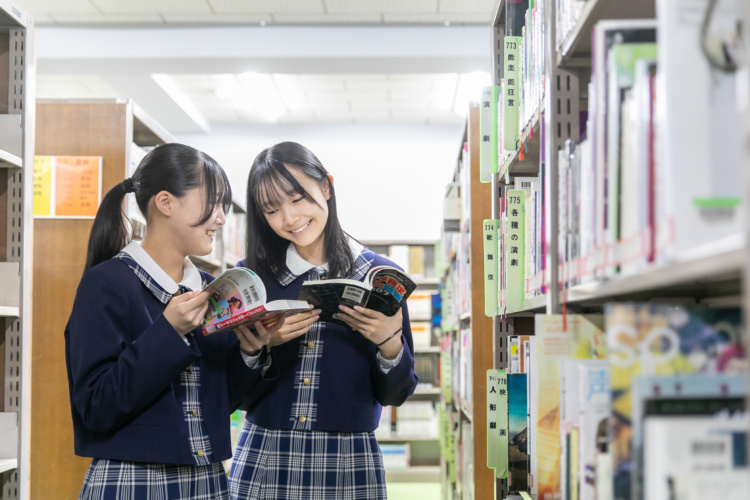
[387, 365]
[250, 361]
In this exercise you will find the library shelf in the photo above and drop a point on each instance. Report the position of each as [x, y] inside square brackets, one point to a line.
[712, 275]
[427, 350]
[205, 261]
[9, 312]
[530, 305]
[466, 316]
[427, 281]
[417, 474]
[7, 464]
[8, 160]
[576, 49]
[530, 141]
[404, 439]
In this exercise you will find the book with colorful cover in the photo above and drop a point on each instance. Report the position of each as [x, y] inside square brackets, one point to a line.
[594, 407]
[558, 337]
[680, 395]
[518, 453]
[238, 297]
[384, 289]
[662, 340]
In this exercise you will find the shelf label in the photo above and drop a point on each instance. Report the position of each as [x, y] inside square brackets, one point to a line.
[515, 248]
[511, 93]
[486, 131]
[67, 186]
[497, 422]
[490, 267]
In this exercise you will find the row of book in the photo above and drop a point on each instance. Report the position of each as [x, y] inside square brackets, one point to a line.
[647, 401]
[568, 14]
[411, 419]
[457, 449]
[656, 176]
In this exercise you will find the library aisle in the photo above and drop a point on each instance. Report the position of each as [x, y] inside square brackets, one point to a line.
[565, 182]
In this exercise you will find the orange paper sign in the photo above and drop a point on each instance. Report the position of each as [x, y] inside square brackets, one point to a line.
[77, 186]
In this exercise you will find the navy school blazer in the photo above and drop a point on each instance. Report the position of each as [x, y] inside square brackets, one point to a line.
[124, 359]
[352, 386]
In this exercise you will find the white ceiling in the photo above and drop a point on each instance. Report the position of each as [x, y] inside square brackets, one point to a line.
[254, 12]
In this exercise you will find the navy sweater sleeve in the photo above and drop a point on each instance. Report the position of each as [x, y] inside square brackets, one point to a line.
[399, 383]
[115, 377]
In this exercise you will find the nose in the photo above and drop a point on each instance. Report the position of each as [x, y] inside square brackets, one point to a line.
[290, 214]
[221, 217]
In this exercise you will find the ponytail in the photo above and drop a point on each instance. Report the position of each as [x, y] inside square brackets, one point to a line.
[110, 232]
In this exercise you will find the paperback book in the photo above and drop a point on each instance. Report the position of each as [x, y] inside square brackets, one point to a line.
[384, 289]
[238, 297]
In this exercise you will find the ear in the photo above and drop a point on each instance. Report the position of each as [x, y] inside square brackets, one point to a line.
[327, 187]
[164, 202]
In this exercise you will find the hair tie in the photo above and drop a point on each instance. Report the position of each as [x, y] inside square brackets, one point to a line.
[128, 185]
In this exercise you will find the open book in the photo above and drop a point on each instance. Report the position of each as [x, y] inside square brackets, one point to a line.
[384, 289]
[239, 297]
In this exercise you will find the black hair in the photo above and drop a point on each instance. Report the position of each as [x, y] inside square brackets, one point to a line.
[269, 176]
[174, 168]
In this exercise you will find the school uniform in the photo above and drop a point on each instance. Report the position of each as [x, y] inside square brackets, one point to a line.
[151, 407]
[310, 435]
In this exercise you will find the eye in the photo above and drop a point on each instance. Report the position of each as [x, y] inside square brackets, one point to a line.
[270, 212]
[298, 199]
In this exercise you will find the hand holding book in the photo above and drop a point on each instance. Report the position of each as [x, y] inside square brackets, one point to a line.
[375, 327]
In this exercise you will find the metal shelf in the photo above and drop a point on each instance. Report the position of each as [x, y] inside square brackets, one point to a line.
[427, 350]
[576, 49]
[7, 464]
[427, 281]
[423, 474]
[532, 305]
[205, 261]
[9, 312]
[8, 160]
[713, 275]
[403, 439]
[530, 164]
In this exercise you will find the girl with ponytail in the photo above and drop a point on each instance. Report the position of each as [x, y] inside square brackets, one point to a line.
[150, 396]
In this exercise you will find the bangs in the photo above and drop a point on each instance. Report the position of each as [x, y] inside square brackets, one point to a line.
[217, 189]
[273, 186]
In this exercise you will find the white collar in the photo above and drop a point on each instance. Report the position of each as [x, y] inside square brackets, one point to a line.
[299, 266]
[191, 277]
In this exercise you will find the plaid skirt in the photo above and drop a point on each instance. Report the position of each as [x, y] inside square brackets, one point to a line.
[121, 480]
[277, 464]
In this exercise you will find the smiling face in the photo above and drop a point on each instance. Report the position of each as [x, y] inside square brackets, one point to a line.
[297, 218]
[188, 210]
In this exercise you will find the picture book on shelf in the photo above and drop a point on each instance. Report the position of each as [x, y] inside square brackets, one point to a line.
[662, 340]
[238, 297]
[384, 289]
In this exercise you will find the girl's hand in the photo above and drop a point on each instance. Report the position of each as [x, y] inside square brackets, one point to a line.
[185, 312]
[376, 327]
[295, 326]
[253, 341]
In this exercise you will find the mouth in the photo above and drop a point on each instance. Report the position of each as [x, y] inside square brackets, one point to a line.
[211, 233]
[301, 229]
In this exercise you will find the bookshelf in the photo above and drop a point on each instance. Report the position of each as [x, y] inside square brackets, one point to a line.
[686, 271]
[17, 119]
[467, 333]
[412, 428]
[120, 132]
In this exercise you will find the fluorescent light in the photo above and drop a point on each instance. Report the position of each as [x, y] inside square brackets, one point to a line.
[290, 89]
[443, 92]
[469, 90]
[262, 92]
[181, 99]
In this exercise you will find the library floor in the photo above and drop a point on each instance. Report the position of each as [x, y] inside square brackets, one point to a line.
[413, 491]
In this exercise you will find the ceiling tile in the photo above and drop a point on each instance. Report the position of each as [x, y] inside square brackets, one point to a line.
[152, 6]
[380, 6]
[267, 6]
